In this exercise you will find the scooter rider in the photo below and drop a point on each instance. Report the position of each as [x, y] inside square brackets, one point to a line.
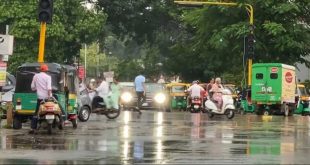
[42, 84]
[194, 91]
[216, 89]
[103, 90]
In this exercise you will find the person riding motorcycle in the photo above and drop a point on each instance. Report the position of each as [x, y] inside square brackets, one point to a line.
[216, 91]
[194, 91]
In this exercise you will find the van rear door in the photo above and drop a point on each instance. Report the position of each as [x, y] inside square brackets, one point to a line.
[274, 84]
[259, 83]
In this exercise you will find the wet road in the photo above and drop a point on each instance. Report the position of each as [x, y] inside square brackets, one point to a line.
[164, 138]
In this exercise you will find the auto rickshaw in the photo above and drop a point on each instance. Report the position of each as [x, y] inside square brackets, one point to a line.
[246, 105]
[302, 100]
[178, 95]
[64, 89]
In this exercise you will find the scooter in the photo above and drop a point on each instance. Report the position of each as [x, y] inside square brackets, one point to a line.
[227, 108]
[99, 107]
[49, 115]
[196, 105]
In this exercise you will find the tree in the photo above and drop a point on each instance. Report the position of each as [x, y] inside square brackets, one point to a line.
[72, 25]
[281, 34]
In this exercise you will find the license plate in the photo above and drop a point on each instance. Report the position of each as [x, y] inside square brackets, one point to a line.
[145, 104]
[18, 107]
[49, 117]
[196, 106]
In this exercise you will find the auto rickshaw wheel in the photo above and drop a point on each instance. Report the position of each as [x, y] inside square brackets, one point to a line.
[242, 111]
[17, 123]
[49, 128]
[266, 113]
[74, 123]
[61, 125]
[285, 108]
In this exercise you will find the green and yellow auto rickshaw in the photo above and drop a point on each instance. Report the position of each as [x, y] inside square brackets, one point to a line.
[177, 95]
[64, 88]
[302, 100]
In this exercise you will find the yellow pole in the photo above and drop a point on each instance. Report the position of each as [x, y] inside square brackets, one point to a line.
[250, 60]
[42, 42]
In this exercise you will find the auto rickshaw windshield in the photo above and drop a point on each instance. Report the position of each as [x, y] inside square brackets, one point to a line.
[177, 89]
[24, 79]
[303, 91]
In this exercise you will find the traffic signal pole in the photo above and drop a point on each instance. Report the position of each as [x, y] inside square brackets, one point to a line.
[45, 14]
[42, 42]
[250, 58]
[249, 9]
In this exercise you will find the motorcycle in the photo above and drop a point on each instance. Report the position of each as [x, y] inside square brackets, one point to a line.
[227, 108]
[195, 105]
[99, 107]
[50, 115]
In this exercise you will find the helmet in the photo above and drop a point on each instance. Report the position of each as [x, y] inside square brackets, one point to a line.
[44, 68]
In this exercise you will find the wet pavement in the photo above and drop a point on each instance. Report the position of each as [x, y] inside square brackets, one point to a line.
[164, 138]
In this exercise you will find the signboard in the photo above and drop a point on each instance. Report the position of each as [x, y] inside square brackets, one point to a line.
[6, 44]
[108, 76]
[3, 67]
[81, 72]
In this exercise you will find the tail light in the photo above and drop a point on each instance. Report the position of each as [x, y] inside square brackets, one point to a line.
[197, 101]
[18, 104]
[18, 101]
[72, 117]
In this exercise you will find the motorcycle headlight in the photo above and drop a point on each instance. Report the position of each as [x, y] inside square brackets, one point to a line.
[126, 97]
[160, 98]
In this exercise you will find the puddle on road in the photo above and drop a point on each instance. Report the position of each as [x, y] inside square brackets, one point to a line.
[165, 138]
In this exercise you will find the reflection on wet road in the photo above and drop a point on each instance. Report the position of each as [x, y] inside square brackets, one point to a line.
[164, 138]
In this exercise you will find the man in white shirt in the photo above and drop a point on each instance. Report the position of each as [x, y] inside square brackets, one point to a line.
[103, 90]
[194, 91]
[42, 84]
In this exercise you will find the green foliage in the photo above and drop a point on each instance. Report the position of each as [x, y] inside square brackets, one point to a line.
[72, 25]
[193, 43]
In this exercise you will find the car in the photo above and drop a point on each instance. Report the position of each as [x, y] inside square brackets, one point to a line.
[156, 96]
[7, 92]
[84, 103]
[128, 96]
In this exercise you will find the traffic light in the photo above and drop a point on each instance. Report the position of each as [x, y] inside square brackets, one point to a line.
[45, 11]
[250, 46]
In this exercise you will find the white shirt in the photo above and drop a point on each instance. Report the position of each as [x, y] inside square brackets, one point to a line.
[41, 83]
[103, 89]
[195, 90]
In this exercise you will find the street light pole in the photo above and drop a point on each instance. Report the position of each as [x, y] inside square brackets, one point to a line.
[85, 61]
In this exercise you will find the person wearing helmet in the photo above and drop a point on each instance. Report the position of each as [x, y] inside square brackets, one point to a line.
[42, 84]
[92, 84]
[194, 91]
